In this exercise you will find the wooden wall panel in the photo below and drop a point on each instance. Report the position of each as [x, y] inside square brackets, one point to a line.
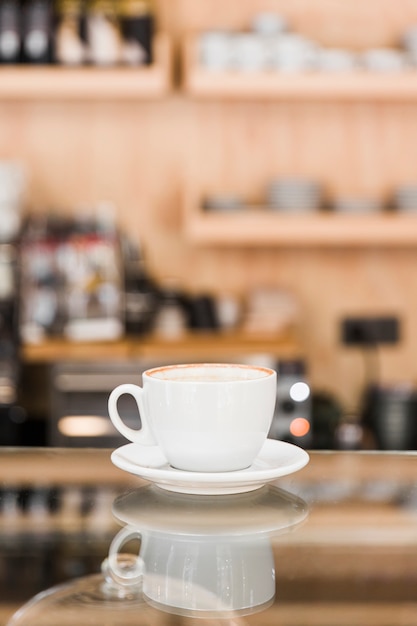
[143, 156]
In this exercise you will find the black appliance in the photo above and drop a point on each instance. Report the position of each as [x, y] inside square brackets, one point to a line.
[390, 416]
[11, 414]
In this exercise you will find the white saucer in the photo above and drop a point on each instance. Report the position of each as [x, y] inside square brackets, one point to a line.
[276, 459]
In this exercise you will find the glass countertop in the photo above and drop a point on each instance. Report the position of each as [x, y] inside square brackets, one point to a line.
[84, 542]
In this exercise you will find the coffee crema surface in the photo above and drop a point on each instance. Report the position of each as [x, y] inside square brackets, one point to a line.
[210, 372]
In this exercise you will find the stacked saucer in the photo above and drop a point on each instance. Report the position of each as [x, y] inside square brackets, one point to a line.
[405, 198]
[336, 60]
[223, 202]
[384, 60]
[294, 195]
[357, 205]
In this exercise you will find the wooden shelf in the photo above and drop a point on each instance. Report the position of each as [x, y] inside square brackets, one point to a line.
[196, 346]
[51, 82]
[265, 227]
[357, 86]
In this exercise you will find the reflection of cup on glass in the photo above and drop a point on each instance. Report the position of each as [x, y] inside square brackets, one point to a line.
[204, 417]
[207, 573]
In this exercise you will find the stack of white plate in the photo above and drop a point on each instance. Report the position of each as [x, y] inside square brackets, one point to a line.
[294, 195]
[336, 60]
[357, 205]
[405, 198]
[223, 202]
[384, 60]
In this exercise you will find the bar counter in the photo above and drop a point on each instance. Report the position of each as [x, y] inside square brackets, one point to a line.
[334, 543]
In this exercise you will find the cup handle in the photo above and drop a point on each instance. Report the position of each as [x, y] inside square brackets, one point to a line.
[116, 566]
[143, 435]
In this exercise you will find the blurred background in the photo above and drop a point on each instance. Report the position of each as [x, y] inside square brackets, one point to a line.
[209, 180]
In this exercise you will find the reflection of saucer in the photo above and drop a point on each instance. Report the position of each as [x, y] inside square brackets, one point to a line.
[267, 510]
[276, 458]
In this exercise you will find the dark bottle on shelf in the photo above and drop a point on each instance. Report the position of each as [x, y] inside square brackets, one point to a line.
[137, 25]
[10, 31]
[37, 31]
[141, 294]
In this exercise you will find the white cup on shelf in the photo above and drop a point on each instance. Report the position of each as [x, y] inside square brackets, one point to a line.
[216, 50]
[294, 53]
[248, 52]
[266, 23]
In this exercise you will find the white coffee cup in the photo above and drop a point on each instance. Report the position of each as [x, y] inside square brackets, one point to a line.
[207, 417]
